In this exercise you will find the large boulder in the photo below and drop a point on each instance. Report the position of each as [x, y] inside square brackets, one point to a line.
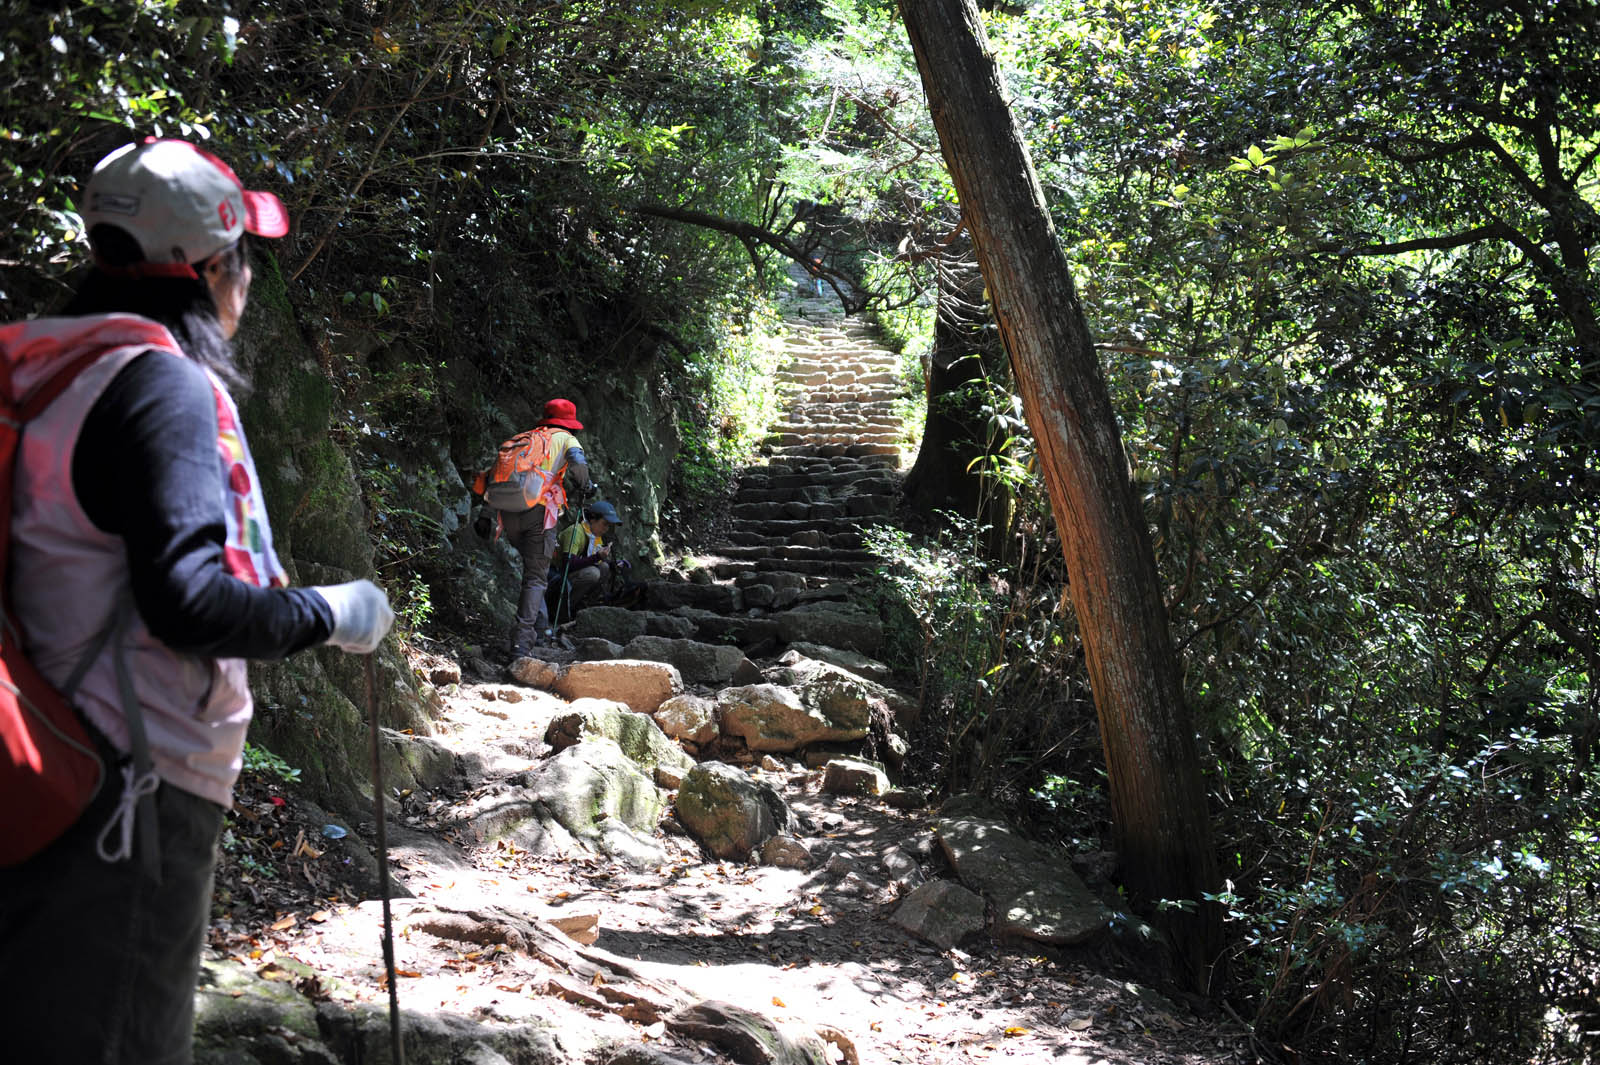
[841, 690]
[1035, 891]
[603, 798]
[640, 738]
[773, 718]
[698, 663]
[730, 813]
[608, 623]
[832, 624]
[691, 718]
[642, 685]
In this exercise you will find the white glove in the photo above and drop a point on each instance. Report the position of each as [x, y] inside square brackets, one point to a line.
[361, 615]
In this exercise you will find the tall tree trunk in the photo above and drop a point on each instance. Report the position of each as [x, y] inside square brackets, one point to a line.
[966, 352]
[1157, 796]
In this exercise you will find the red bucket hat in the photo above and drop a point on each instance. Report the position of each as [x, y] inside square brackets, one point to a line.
[562, 412]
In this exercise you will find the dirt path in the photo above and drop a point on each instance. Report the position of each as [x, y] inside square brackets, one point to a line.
[547, 952]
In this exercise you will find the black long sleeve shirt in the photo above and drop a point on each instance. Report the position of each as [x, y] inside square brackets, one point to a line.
[145, 468]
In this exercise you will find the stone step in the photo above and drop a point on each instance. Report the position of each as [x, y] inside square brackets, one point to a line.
[816, 493]
[855, 364]
[793, 553]
[859, 506]
[790, 528]
[875, 425]
[832, 450]
[730, 569]
[871, 395]
[844, 437]
[816, 464]
[863, 479]
[804, 537]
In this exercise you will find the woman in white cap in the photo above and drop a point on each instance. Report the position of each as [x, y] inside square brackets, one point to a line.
[142, 576]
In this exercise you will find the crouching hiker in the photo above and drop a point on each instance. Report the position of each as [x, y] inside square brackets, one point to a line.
[584, 557]
[527, 488]
[141, 577]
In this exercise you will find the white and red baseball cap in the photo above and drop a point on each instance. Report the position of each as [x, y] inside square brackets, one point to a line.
[179, 202]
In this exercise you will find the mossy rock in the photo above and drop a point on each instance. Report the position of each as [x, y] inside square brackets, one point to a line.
[637, 735]
[596, 782]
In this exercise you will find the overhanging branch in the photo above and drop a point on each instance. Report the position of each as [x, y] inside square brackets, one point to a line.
[851, 292]
[1496, 230]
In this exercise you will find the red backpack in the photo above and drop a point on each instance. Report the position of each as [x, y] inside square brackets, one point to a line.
[49, 768]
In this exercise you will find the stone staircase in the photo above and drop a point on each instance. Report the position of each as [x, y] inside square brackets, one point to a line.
[833, 463]
[783, 568]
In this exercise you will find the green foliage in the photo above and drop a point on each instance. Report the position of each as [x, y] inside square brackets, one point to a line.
[730, 401]
[260, 761]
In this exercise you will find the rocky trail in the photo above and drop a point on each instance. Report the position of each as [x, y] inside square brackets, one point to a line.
[677, 840]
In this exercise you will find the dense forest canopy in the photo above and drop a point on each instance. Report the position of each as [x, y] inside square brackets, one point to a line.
[1339, 264]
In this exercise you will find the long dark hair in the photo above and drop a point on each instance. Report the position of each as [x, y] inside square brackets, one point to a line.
[184, 305]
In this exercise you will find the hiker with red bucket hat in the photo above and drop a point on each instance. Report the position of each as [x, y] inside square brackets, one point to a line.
[527, 489]
[141, 577]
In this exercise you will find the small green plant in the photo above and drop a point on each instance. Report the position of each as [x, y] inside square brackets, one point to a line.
[260, 761]
[414, 604]
[250, 864]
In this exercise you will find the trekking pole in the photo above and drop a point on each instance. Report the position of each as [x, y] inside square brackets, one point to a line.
[561, 595]
[399, 1050]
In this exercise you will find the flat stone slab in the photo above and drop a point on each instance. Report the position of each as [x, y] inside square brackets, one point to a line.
[941, 912]
[833, 625]
[862, 666]
[1036, 893]
[698, 663]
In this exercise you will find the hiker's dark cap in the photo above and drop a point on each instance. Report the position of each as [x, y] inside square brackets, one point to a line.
[604, 511]
[562, 412]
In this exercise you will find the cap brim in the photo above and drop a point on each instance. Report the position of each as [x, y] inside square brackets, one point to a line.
[565, 423]
[264, 214]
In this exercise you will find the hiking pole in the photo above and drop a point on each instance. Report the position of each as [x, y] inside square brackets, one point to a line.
[576, 514]
[399, 1050]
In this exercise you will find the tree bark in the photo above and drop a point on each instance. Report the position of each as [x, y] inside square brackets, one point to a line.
[1157, 796]
[966, 352]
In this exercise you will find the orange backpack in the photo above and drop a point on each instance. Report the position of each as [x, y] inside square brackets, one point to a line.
[520, 480]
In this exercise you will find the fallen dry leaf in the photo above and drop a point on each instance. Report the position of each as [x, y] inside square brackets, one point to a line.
[284, 922]
[778, 1002]
[1015, 1030]
[1080, 1024]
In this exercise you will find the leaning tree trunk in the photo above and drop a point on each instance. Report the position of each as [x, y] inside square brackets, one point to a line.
[1158, 800]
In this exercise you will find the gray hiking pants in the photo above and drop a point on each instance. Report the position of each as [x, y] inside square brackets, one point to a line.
[98, 961]
[525, 531]
[588, 583]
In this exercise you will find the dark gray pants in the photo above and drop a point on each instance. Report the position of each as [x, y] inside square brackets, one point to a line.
[588, 583]
[525, 531]
[98, 962]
